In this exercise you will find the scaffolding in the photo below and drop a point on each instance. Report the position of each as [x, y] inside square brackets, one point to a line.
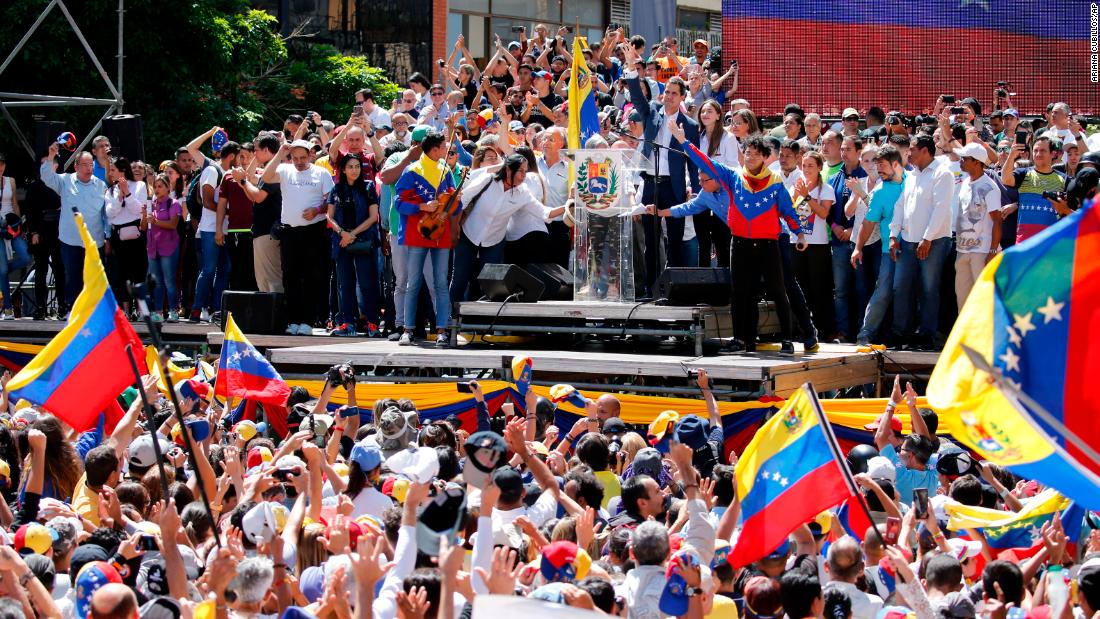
[10, 100]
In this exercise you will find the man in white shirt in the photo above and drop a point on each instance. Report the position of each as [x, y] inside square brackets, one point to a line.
[555, 171]
[213, 258]
[303, 236]
[844, 564]
[375, 113]
[400, 132]
[790, 162]
[920, 239]
[1065, 128]
[978, 223]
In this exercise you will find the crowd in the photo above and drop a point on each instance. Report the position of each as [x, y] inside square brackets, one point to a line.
[352, 221]
[374, 512]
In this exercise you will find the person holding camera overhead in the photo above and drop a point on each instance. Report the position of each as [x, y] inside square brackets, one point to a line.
[1039, 184]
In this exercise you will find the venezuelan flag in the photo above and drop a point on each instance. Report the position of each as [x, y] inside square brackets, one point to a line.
[14, 356]
[787, 475]
[1015, 530]
[1032, 313]
[244, 373]
[85, 366]
[584, 120]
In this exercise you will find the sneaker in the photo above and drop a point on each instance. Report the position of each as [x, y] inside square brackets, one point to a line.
[204, 316]
[786, 348]
[216, 317]
[196, 316]
[173, 317]
[7, 315]
[405, 339]
[441, 339]
[372, 330]
[396, 335]
[811, 345]
[863, 342]
[344, 330]
[736, 346]
[156, 317]
[39, 314]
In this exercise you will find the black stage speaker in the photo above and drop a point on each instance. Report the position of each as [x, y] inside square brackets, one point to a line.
[557, 282]
[255, 312]
[694, 286]
[124, 131]
[45, 133]
[499, 281]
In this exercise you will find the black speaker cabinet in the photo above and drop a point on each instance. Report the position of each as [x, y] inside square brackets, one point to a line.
[45, 133]
[262, 313]
[499, 281]
[694, 286]
[557, 281]
[125, 134]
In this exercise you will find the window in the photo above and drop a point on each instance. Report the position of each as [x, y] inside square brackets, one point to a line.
[535, 10]
[584, 11]
[341, 15]
[469, 5]
[693, 20]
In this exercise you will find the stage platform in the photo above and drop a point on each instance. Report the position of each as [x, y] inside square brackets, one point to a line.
[28, 331]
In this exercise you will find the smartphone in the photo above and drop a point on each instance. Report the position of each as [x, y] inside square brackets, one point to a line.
[1021, 137]
[148, 542]
[357, 109]
[920, 502]
[693, 374]
[613, 26]
[463, 387]
[948, 98]
[893, 529]
[733, 63]
[461, 108]
[284, 473]
[958, 109]
[519, 28]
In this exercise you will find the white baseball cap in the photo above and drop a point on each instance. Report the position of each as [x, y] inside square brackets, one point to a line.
[974, 151]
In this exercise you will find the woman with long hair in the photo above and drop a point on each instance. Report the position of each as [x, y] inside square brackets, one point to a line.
[126, 197]
[813, 198]
[528, 239]
[792, 126]
[161, 220]
[352, 215]
[721, 146]
[744, 124]
[63, 464]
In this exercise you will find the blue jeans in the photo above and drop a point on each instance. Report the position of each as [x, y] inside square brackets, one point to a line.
[213, 273]
[866, 275]
[72, 256]
[843, 276]
[20, 260]
[880, 298]
[930, 271]
[684, 253]
[469, 259]
[163, 271]
[415, 270]
[357, 276]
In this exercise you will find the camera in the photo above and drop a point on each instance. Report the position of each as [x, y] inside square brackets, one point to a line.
[147, 543]
[958, 109]
[464, 387]
[1054, 195]
[341, 375]
[284, 473]
[693, 374]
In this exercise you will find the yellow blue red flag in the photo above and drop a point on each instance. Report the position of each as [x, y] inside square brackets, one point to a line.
[1006, 530]
[584, 120]
[85, 366]
[1032, 314]
[786, 476]
[244, 373]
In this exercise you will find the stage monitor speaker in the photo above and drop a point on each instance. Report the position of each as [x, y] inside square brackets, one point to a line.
[694, 286]
[125, 134]
[499, 281]
[45, 133]
[557, 282]
[255, 312]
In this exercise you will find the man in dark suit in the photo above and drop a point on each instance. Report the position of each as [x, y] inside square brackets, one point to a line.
[667, 180]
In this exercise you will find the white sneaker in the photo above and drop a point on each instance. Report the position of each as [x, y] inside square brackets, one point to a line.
[7, 315]
[304, 329]
[441, 339]
[406, 339]
[204, 316]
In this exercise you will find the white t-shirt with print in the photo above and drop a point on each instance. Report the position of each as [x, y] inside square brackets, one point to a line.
[209, 178]
[819, 234]
[973, 225]
[302, 190]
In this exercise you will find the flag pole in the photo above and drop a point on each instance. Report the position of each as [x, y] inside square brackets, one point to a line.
[138, 291]
[1019, 399]
[841, 462]
[149, 414]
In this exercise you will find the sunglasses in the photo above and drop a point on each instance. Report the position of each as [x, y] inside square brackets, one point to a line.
[437, 94]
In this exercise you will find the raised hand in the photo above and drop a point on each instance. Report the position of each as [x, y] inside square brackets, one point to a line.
[504, 572]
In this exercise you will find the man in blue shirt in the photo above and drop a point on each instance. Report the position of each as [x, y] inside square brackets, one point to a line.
[101, 148]
[880, 211]
[841, 227]
[79, 191]
[911, 454]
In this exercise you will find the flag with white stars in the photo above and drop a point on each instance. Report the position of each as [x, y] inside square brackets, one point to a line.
[1032, 315]
[787, 475]
[1012, 530]
[245, 373]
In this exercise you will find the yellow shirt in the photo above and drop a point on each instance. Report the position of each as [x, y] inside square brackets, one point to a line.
[86, 501]
[611, 486]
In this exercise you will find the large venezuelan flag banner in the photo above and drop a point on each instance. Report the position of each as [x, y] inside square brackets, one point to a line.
[1032, 315]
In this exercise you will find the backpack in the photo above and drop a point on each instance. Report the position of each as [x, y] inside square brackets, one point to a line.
[194, 193]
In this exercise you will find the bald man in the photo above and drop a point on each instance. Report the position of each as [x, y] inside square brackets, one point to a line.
[607, 406]
[114, 601]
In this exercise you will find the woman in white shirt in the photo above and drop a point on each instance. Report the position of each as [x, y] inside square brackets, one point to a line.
[20, 257]
[528, 239]
[867, 271]
[127, 261]
[814, 267]
[721, 146]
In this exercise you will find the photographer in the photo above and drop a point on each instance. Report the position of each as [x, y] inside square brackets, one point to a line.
[1036, 185]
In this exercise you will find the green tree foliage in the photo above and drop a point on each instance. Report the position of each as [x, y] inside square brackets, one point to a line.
[189, 65]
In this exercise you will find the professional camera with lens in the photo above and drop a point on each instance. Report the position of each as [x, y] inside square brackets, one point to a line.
[341, 375]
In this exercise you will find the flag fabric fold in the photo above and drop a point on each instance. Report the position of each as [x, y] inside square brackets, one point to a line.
[786, 476]
[244, 373]
[85, 366]
[584, 120]
[1031, 314]
[1014, 530]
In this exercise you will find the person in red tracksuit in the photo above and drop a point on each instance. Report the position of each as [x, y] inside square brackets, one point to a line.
[751, 201]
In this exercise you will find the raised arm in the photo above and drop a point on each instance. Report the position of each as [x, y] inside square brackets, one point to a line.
[195, 145]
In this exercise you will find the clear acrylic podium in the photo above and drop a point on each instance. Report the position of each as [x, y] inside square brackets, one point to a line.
[606, 182]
